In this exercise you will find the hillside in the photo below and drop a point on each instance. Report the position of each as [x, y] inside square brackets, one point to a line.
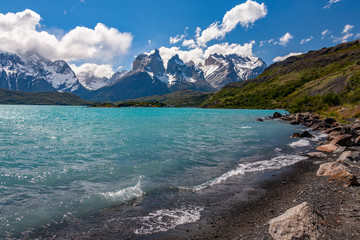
[327, 80]
[45, 98]
[183, 98]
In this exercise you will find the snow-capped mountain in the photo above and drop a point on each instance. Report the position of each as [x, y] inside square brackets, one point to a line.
[92, 82]
[183, 76]
[32, 73]
[220, 70]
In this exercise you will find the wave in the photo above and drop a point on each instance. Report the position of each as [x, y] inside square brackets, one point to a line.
[164, 219]
[300, 143]
[125, 194]
[274, 163]
[246, 127]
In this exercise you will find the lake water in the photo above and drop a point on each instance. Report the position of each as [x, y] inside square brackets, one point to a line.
[61, 163]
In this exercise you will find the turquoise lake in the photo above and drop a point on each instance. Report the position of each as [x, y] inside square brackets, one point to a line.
[60, 162]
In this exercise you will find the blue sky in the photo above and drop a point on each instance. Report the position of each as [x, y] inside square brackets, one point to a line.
[70, 29]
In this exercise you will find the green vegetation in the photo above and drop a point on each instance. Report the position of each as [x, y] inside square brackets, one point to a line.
[46, 98]
[325, 81]
[130, 104]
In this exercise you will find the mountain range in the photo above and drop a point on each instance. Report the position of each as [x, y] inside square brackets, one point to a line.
[31, 72]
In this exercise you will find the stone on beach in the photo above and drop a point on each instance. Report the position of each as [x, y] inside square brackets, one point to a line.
[295, 135]
[327, 148]
[342, 140]
[299, 222]
[349, 156]
[331, 168]
[343, 177]
[306, 134]
[317, 154]
[277, 115]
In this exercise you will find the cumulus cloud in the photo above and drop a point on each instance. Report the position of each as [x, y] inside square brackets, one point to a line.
[244, 14]
[176, 39]
[19, 34]
[347, 35]
[282, 58]
[189, 43]
[198, 55]
[347, 28]
[331, 2]
[306, 40]
[92, 69]
[283, 41]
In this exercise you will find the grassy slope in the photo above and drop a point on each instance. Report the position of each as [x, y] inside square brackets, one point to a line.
[325, 81]
[184, 98]
[46, 98]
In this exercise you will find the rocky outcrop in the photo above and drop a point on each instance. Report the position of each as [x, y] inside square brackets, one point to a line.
[317, 154]
[327, 148]
[299, 222]
[331, 168]
[345, 178]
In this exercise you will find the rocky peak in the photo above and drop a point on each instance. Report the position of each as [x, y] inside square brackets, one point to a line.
[175, 65]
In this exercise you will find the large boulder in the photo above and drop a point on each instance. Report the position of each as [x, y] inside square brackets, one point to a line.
[338, 128]
[277, 115]
[299, 222]
[348, 157]
[306, 134]
[345, 178]
[342, 140]
[331, 168]
[327, 148]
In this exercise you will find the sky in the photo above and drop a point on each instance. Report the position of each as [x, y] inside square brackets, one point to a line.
[101, 37]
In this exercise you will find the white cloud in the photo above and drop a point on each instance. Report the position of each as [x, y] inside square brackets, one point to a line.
[177, 38]
[357, 35]
[324, 33]
[197, 32]
[283, 41]
[331, 2]
[149, 42]
[198, 55]
[189, 43]
[92, 69]
[19, 34]
[306, 40]
[347, 28]
[282, 58]
[244, 14]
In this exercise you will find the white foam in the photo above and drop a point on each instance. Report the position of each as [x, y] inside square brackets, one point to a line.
[125, 194]
[246, 127]
[300, 143]
[274, 163]
[164, 220]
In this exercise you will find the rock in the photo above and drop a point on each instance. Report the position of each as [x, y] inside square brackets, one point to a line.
[339, 150]
[294, 123]
[299, 222]
[342, 140]
[315, 116]
[259, 120]
[277, 115]
[357, 141]
[333, 135]
[329, 120]
[338, 128]
[349, 156]
[343, 177]
[316, 154]
[331, 168]
[327, 148]
[306, 134]
[322, 143]
[295, 135]
[346, 130]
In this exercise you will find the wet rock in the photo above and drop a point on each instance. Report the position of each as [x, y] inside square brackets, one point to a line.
[295, 135]
[331, 168]
[327, 148]
[342, 140]
[259, 120]
[299, 222]
[277, 115]
[345, 178]
[294, 123]
[317, 154]
[306, 134]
